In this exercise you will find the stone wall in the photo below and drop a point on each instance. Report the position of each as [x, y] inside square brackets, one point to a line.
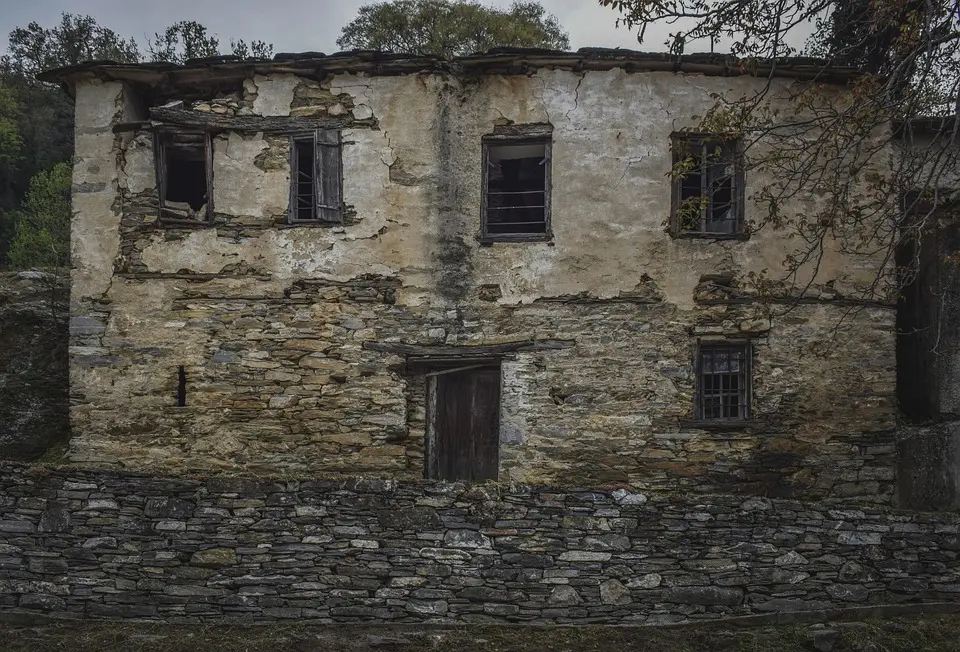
[269, 320]
[34, 394]
[101, 544]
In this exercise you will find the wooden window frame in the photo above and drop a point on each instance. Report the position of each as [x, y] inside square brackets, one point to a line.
[323, 214]
[746, 346]
[160, 169]
[679, 140]
[536, 138]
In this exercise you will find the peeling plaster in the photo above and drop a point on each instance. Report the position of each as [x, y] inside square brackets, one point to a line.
[274, 94]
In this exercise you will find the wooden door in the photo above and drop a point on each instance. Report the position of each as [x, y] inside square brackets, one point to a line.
[466, 424]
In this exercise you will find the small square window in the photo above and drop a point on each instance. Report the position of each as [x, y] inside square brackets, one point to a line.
[516, 189]
[184, 176]
[707, 186]
[315, 178]
[723, 381]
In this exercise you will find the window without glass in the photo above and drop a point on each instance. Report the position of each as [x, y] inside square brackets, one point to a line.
[723, 381]
[707, 186]
[184, 176]
[516, 189]
[315, 178]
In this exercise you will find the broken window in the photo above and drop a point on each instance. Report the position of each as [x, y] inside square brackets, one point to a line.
[707, 185]
[723, 381]
[184, 176]
[315, 177]
[516, 188]
[463, 417]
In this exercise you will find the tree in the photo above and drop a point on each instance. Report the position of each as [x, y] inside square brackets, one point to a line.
[190, 40]
[76, 38]
[839, 148]
[10, 154]
[181, 41]
[446, 28]
[42, 237]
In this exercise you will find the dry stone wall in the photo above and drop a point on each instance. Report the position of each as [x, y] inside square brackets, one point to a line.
[101, 544]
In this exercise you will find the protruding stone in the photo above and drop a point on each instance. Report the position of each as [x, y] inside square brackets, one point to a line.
[791, 558]
[55, 519]
[624, 497]
[613, 592]
[848, 592]
[648, 581]
[214, 557]
[709, 595]
[585, 555]
[564, 596]
[466, 539]
[756, 504]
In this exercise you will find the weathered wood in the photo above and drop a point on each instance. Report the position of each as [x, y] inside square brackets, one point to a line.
[427, 351]
[466, 418]
[328, 176]
[203, 121]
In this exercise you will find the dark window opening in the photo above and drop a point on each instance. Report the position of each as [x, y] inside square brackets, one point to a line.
[185, 174]
[316, 178]
[723, 381]
[707, 186]
[181, 387]
[516, 188]
[927, 318]
[463, 413]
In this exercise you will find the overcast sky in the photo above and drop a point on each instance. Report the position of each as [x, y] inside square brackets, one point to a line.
[291, 25]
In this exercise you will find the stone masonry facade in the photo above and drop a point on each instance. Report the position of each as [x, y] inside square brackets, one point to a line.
[279, 334]
[103, 544]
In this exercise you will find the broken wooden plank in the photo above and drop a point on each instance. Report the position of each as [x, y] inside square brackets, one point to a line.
[199, 120]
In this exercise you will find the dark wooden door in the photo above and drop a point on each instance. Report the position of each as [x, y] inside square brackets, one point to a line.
[466, 432]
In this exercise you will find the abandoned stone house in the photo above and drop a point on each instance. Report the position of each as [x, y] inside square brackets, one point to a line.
[366, 264]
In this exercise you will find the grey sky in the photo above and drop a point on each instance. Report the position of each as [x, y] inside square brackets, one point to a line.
[291, 25]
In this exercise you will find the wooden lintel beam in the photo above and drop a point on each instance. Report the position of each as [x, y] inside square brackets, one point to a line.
[202, 121]
[426, 351]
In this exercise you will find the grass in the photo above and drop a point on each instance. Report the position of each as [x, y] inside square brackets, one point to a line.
[927, 634]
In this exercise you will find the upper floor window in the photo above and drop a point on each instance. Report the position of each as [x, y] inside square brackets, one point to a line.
[316, 180]
[184, 175]
[516, 188]
[707, 185]
[723, 381]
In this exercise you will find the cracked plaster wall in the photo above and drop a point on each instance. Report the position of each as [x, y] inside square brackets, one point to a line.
[269, 320]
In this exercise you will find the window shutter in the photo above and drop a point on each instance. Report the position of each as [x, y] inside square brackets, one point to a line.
[328, 176]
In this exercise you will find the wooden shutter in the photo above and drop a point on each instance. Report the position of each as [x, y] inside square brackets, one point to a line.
[328, 176]
[466, 425]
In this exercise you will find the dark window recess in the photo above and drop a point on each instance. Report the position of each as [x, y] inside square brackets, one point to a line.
[723, 381]
[707, 186]
[316, 178]
[464, 405]
[928, 318]
[181, 387]
[516, 188]
[184, 176]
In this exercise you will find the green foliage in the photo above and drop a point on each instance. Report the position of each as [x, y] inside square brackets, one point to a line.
[10, 140]
[76, 38]
[42, 237]
[255, 50]
[450, 28]
[187, 39]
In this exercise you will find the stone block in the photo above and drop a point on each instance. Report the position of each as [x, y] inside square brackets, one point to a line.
[214, 557]
[705, 595]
